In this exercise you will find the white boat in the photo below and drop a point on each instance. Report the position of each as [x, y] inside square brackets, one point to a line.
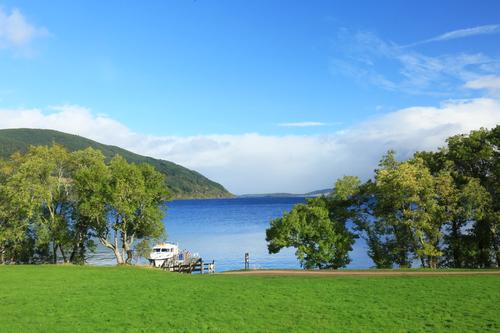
[167, 256]
[163, 252]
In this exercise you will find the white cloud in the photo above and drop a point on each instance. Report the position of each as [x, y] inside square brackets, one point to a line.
[371, 60]
[490, 83]
[253, 163]
[302, 124]
[15, 30]
[461, 33]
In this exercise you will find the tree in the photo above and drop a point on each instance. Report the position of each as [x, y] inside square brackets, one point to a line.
[317, 229]
[407, 200]
[53, 201]
[372, 229]
[47, 169]
[135, 206]
[13, 222]
[92, 192]
[477, 155]
[24, 194]
[387, 212]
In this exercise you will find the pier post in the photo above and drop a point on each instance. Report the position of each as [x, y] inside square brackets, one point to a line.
[247, 261]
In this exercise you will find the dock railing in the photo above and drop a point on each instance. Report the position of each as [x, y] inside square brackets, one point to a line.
[192, 266]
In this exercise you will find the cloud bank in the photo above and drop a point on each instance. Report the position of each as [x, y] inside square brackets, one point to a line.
[255, 163]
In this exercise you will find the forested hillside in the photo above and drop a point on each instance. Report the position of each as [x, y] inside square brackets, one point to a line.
[182, 182]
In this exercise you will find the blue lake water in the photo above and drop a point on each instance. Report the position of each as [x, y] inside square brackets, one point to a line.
[224, 229]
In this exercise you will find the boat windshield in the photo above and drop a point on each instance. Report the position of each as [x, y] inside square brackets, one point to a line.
[158, 250]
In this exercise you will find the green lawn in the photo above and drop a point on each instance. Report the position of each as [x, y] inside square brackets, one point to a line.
[128, 299]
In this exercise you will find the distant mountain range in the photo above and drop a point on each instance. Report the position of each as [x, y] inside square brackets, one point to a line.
[312, 194]
[183, 183]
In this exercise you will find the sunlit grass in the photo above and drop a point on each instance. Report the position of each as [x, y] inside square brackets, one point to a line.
[128, 299]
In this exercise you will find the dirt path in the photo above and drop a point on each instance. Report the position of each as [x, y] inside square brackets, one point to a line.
[359, 273]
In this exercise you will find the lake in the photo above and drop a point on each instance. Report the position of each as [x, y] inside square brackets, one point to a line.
[224, 229]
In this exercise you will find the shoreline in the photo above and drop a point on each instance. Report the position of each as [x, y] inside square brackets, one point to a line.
[383, 272]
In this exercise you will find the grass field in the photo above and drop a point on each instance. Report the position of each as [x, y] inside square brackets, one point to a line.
[128, 299]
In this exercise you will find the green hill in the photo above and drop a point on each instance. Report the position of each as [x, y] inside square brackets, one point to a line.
[183, 183]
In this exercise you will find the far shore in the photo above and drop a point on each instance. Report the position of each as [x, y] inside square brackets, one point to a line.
[364, 272]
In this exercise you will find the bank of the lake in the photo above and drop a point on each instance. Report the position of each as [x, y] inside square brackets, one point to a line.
[224, 229]
[69, 298]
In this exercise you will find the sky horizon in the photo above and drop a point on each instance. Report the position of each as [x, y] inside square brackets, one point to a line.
[259, 96]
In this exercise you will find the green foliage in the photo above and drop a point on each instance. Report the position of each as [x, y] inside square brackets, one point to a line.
[345, 188]
[406, 196]
[92, 190]
[137, 193]
[442, 208]
[182, 182]
[317, 230]
[53, 202]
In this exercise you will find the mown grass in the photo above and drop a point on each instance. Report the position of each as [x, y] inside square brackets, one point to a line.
[128, 299]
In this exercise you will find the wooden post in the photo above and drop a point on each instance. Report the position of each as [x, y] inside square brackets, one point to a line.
[201, 263]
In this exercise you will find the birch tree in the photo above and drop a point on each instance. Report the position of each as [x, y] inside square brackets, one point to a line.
[136, 207]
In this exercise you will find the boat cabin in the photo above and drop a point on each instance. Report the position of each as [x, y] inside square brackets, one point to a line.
[162, 252]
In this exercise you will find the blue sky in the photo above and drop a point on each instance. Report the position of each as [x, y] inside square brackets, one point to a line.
[206, 74]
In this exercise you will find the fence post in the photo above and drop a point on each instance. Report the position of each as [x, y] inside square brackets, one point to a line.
[247, 261]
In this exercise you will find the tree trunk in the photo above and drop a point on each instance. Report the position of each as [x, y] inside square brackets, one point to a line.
[422, 262]
[432, 262]
[78, 251]
[496, 249]
[81, 252]
[119, 257]
[127, 247]
[65, 260]
[401, 252]
[2, 256]
[130, 256]
[456, 250]
[54, 253]
[74, 250]
[114, 247]
[72, 256]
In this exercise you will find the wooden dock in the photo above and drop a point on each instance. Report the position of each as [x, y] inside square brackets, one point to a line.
[196, 265]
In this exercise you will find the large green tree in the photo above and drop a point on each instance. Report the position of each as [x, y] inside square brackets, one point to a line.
[373, 229]
[14, 220]
[53, 204]
[317, 230]
[135, 207]
[407, 197]
[477, 155]
[91, 192]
